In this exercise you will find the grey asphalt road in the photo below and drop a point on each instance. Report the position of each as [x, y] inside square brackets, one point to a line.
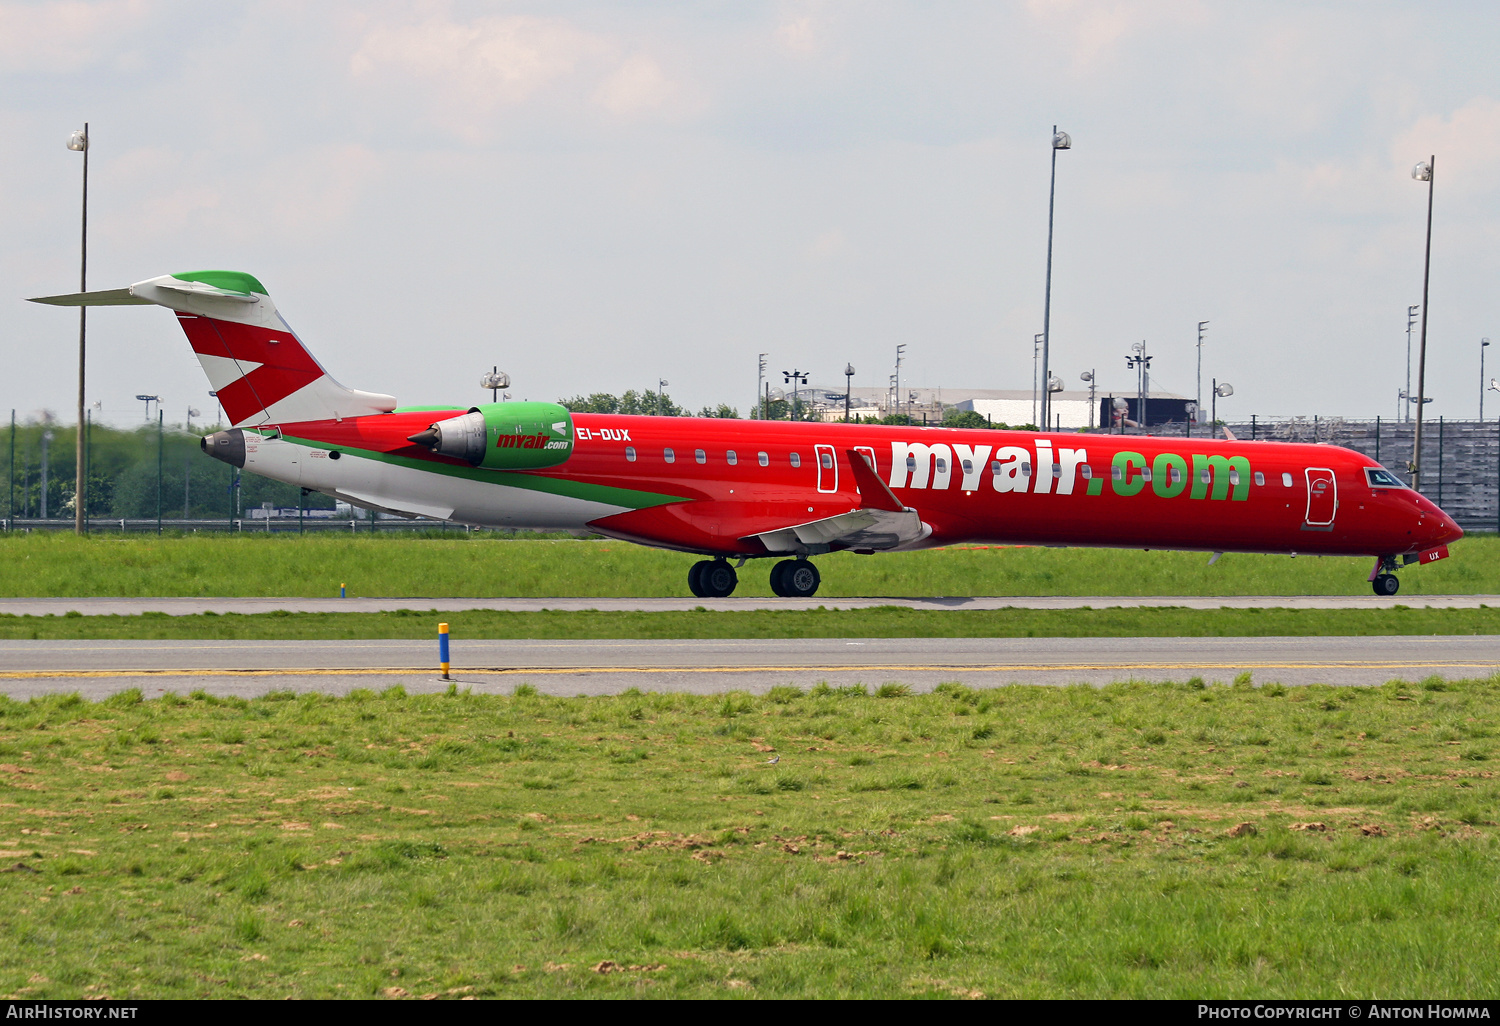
[98, 668]
[189, 606]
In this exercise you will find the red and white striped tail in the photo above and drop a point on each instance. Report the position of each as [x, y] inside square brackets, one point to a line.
[262, 372]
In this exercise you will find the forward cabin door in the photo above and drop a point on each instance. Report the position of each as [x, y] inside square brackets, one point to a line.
[828, 468]
[1322, 497]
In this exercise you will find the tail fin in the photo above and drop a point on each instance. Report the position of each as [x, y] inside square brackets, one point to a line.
[261, 370]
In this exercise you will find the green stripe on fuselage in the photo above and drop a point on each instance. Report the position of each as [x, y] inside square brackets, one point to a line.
[607, 494]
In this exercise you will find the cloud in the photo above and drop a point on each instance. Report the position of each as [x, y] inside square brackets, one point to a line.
[638, 86]
[471, 72]
[1095, 31]
[64, 37]
[1466, 144]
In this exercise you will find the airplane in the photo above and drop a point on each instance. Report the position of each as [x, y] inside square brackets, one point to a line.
[740, 490]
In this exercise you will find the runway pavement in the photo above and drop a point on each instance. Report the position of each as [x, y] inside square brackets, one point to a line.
[99, 668]
[190, 606]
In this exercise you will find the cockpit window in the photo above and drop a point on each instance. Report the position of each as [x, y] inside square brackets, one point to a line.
[1379, 477]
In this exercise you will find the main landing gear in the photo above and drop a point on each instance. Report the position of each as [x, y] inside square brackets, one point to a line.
[712, 578]
[795, 578]
[790, 578]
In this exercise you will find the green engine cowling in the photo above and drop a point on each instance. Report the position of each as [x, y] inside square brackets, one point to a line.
[504, 436]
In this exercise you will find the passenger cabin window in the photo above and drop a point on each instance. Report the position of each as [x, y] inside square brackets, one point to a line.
[942, 465]
[1025, 469]
[1286, 480]
[1234, 477]
[630, 454]
[1117, 472]
[1087, 471]
[968, 466]
[1379, 477]
[1206, 476]
[765, 460]
[1260, 478]
[994, 466]
[1174, 474]
[731, 458]
[700, 455]
[669, 455]
[827, 460]
[1145, 473]
[796, 460]
[1057, 470]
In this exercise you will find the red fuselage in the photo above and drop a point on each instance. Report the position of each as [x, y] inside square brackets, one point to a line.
[1095, 489]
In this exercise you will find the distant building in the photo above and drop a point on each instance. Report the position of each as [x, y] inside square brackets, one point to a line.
[1071, 411]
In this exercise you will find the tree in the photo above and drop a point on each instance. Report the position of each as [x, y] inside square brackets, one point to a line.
[956, 418]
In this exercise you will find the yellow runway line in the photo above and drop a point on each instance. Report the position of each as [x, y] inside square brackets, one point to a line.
[369, 671]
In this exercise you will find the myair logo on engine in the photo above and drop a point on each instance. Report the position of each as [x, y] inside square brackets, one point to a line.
[504, 436]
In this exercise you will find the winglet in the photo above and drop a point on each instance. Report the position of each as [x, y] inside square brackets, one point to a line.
[873, 492]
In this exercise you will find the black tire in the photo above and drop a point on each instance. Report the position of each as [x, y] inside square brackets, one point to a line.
[716, 579]
[777, 573]
[795, 578]
[1386, 585]
[695, 577]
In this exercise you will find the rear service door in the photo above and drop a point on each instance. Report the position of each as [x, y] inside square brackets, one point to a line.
[1322, 497]
[828, 468]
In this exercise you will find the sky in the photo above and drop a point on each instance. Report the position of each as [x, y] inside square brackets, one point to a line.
[595, 196]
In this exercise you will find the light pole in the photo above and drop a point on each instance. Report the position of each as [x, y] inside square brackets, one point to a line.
[1088, 376]
[1411, 322]
[148, 400]
[159, 454]
[46, 446]
[1060, 141]
[1036, 357]
[661, 396]
[79, 142]
[495, 381]
[1198, 399]
[849, 387]
[1192, 415]
[1223, 391]
[900, 355]
[1484, 344]
[1142, 365]
[796, 379]
[1422, 173]
[760, 377]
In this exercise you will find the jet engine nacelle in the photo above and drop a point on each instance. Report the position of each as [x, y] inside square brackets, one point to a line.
[504, 436]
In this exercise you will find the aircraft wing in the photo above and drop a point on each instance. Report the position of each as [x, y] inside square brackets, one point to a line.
[881, 522]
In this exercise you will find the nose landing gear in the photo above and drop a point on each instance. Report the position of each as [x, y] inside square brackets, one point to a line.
[795, 578]
[1383, 577]
[712, 578]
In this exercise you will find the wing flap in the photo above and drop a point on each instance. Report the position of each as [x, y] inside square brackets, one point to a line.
[856, 529]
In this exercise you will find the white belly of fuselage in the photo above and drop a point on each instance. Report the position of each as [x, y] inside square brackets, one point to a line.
[410, 491]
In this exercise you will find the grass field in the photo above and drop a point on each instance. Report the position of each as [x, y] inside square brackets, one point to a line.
[879, 622]
[1139, 840]
[57, 564]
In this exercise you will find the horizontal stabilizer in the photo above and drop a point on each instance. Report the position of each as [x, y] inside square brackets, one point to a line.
[110, 297]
